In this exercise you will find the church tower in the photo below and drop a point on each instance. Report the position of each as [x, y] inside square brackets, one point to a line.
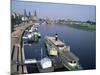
[35, 13]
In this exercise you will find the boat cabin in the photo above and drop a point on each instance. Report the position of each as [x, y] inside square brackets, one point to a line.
[58, 43]
[68, 57]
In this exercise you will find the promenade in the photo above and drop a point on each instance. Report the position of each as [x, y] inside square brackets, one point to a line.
[17, 52]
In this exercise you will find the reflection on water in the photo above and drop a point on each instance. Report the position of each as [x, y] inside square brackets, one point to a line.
[82, 44]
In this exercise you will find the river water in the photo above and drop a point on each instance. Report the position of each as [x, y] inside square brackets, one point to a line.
[82, 43]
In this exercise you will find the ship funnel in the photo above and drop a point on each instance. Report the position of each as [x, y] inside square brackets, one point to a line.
[56, 37]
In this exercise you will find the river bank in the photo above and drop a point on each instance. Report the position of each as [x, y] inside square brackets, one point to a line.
[80, 25]
[88, 27]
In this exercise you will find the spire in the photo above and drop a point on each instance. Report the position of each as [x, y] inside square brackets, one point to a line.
[29, 14]
[25, 12]
[35, 14]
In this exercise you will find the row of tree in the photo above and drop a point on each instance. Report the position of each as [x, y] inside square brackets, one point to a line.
[15, 20]
[91, 22]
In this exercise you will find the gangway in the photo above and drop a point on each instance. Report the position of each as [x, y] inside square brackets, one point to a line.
[30, 61]
[27, 61]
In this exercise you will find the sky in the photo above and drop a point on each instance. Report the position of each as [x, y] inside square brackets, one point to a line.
[56, 10]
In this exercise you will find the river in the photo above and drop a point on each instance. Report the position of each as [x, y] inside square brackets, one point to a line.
[82, 43]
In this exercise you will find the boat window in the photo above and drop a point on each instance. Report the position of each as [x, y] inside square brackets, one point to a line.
[74, 61]
[71, 62]
[60, 45]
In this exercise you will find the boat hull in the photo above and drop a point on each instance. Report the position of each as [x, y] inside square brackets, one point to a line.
[51, 50]
[41, 70]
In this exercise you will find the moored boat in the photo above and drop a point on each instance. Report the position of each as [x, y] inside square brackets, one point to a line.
[33, 35]
[45, 65]
[58, 48]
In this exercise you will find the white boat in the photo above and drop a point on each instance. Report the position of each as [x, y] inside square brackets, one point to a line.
[36, 24]
[45, 64]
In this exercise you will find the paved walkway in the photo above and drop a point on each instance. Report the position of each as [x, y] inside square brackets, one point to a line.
[16, 51]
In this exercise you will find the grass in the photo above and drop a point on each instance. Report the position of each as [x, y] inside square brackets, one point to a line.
[85, 26]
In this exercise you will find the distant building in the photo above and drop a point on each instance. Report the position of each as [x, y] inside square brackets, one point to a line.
[35, 18]
[24, 17]
[16, 18]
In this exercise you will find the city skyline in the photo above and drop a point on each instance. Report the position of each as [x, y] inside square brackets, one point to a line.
[56, 11]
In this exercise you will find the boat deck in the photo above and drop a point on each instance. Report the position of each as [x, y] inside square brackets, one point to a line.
[58, 42]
